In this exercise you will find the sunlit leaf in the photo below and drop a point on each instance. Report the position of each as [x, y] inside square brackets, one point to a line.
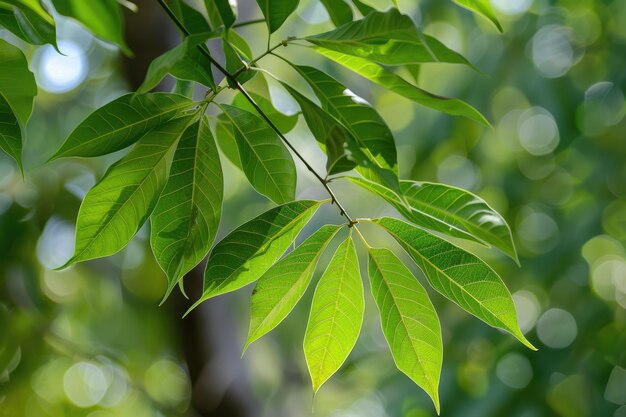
[339, 11]
[336, 315]
[408, 319]
[277, 11]
[186, 218]
[184, 62]
[103, 18]
[285, 123]
[119, 204]
[482, 7]
[278, 291]
[398, 85]
[121, 123]
[246, 253]
[10, 132]
[449, 210]
[458, 275]
[221, 12]
[265, 160]
[17, 83]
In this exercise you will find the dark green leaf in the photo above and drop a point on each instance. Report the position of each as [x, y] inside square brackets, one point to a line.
[458, 275]
[363, 8]
[247, 252]
[103, 18]
[277, 11]
[221, 12]
[184, 62]
[10, 132]
[17, 83]
[339, 11]
[336, 315]
[398, 85]
[482, 7]
[278, 291]
[408, 319]
[448, 210]
[191, 18]
[187, 216]
[265, 160]
[121, 123]
[34, 21]
[119, 204]
[237, 54]
[9, 22]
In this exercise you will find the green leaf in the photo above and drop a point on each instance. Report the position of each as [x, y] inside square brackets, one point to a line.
[119, 204]
[363, 8]
[285, 123]
[339, 11]
[10, 132]
[17, 83]
[408, 320]
[482, 7]
[278, 291]
[460, 276]
[184, 62]
[121, 123]
[277, 11]
[265, 160]
[9, 22]
[336, 315]
[191, 18]
[226, 140]
[103, 18]
[34, 21]
[398, 85]
[247, 252]
[449, 210]
[187, 216]
[238, 54]
[221, 12]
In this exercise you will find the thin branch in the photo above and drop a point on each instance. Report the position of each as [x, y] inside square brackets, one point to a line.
[238, 86]
[249, 22]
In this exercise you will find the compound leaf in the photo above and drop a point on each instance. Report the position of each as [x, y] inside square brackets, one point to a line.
[460, 276]
[187, 216]
[121, 123]
[277, 11]
[408, 319]
[278, 291]
[336, 315]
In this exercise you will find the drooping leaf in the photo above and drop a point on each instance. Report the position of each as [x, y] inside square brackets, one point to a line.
[119, 204]
[278, 291]
[221, 12]
[265, 160]
[285, 123]
[191, 18]
[398, 85]
[187, 216]
[449, 210]
[17, 83]
[103, 18]
[10, 132]
[336, 315]
[238, 54]
[121, 123]
[408, 319]
[481, 7]
[184, 62]
[460, 276]
[246, 253]
[277, 11]
[34, 21]
[339, 11]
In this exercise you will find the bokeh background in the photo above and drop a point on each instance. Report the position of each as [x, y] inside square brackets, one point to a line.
[92, 340]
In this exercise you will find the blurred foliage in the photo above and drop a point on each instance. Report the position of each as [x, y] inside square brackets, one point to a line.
[91, 341]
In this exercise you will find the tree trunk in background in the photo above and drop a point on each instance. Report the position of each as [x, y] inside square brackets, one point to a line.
[208, 342]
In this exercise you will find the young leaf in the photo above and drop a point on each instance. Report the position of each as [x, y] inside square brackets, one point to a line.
[17, 83]
[277, 11]
[119, 204]
[339, 11]
[103, 18]
[192, 19]
[121, 122]
[187, 216]
[398, 85]
[449, 210]
[458, 275]
[251, 249]
[336, 315]
[265, 160]
[184, 62]
[221, 12]
[408, 320]
[278, 291]
[10, 133]
[482, 7]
